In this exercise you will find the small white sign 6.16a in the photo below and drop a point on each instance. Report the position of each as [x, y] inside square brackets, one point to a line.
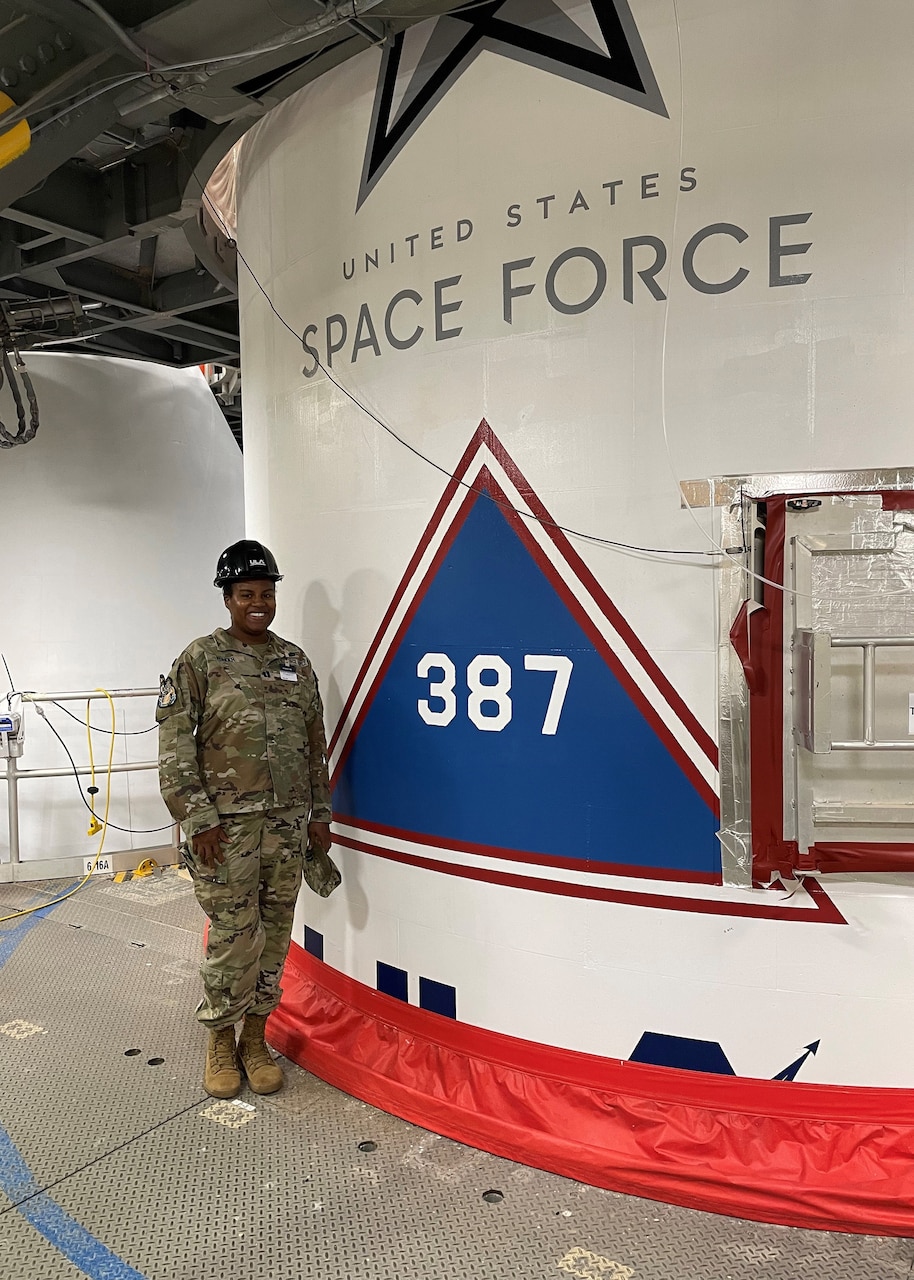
[104, 866]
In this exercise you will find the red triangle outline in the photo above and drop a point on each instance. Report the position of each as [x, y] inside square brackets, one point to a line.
[484, 436]
[822, 909]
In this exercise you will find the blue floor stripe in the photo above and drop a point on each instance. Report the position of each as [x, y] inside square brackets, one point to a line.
[76, 1244]
[11, 937]
[14, 933]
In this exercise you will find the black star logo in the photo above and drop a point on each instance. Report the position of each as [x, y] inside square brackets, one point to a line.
[536, 32]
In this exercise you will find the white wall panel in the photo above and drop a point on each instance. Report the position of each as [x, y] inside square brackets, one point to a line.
[114, 516]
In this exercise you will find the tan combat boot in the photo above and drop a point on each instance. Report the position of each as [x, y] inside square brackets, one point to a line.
[264, 1075]
[221, 1077]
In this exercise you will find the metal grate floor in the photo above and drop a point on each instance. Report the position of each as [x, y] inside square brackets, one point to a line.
[115, 1165]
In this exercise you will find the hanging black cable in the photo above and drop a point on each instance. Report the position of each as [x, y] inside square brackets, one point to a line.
[26, 430]
[118, 733]
[708, 557]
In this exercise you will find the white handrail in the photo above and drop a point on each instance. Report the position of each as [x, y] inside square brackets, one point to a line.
[86, 695]
[14, 774]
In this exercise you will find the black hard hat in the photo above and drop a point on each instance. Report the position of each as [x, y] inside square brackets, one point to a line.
[244, 561]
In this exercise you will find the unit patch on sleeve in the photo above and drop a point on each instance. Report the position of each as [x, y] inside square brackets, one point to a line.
[168, 694]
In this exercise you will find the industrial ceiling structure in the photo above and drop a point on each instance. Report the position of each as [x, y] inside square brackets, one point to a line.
[117, 113]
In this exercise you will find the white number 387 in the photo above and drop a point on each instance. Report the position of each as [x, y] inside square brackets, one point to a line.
[489, 705]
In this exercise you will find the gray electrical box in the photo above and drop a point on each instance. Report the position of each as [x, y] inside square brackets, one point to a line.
[11, 735]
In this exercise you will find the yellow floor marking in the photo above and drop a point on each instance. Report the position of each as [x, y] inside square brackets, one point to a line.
[232, 1114]
[19, 1030]
[146, 869]
[585, 1265]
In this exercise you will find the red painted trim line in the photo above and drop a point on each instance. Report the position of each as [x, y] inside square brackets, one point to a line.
[598, 640]
[771, 853]
[461, 515]
[821, 911]
[775, 1151]
[588, 580]
[863, 857]
[451, 488]
[521, 855]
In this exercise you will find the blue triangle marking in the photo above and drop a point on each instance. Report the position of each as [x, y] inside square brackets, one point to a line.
[603, 790]
[683, 1052]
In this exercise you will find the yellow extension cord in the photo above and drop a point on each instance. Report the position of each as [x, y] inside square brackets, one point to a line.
[94, 826]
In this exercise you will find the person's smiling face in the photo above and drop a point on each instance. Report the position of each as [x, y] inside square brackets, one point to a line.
[252, 606]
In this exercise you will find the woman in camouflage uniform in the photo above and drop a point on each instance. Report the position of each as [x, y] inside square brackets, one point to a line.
[243, 768]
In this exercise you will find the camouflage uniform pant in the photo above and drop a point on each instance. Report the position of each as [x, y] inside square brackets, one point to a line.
[250, 899]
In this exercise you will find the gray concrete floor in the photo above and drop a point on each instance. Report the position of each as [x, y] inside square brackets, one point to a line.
[115, 1165]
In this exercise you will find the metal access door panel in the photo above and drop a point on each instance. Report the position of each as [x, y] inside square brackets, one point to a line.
[848, 678]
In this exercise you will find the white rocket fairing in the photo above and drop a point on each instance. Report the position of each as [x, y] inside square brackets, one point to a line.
[587, 472]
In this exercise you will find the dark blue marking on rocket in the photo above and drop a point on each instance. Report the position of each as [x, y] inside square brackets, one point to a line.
[393, 981]
[540, 35]
[623, 797]
[436, 997]
[686, 1054]
[314, 942]
[680, 1051]
[790, 1073]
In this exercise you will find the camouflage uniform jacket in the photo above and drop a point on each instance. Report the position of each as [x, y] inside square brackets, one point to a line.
[241, 730]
